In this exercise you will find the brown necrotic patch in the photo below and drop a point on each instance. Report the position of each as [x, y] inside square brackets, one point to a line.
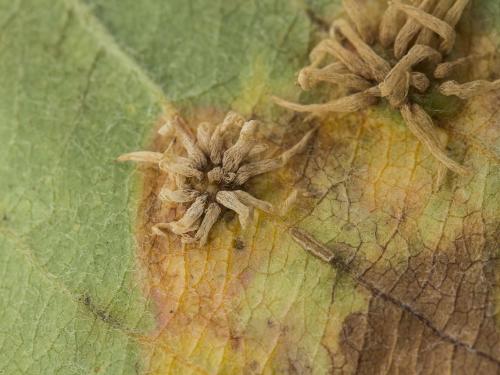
[438, 316]
[406, 61]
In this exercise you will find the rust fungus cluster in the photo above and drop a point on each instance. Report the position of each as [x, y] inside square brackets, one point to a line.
[405, 54]
[211, 174]
[409, 38]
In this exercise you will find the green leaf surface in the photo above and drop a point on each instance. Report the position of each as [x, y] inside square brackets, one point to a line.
[70, 302]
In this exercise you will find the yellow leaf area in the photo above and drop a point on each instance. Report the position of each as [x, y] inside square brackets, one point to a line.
[249, 301]
[413, 288]
[427, 256]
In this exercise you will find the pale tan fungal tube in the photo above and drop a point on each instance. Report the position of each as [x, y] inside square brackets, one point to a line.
[420, 124]
[362, 21]
[396, 85]
[427, 36]
[351, 103]
[312, 245]
[211, 173]
[441, 28]
[409, 30]
[447, 68]
[469, 89]
[389, 26]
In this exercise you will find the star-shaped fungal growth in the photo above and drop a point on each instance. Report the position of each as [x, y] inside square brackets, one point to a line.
[211, 174]
[408, 36]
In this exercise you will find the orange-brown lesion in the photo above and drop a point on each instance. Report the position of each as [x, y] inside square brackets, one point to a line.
[197, 296]
[200, 176]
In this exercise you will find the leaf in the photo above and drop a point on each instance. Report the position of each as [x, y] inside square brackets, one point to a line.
[70, 302]
[85, 288]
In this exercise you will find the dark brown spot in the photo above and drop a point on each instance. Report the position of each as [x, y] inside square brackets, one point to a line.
[235, 341]
[238, 244]
[98, 312]
[228, 216]
[254, 365]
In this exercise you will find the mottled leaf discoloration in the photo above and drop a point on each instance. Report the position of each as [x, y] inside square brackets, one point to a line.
[414, 288]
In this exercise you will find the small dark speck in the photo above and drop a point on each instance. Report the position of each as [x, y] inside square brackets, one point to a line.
[171, 311]
[349, 227]
[103, 315]
[5, 218]
[228, 216]
[238, 244]
[270, 323]
[254, 365]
